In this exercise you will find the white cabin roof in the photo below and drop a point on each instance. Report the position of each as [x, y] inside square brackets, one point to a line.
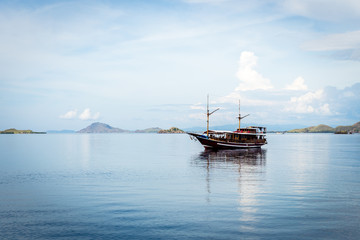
[232, 132]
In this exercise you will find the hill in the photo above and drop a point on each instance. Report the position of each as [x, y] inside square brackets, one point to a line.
[355, 128]
[15, 131]
[314, 129]
[172, 130]
[101, 128]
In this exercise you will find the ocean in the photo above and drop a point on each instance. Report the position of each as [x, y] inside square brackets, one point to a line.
[166, 186]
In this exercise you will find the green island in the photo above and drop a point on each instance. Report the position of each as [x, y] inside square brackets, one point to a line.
[355, 128]
[171, 130]
[15, 131]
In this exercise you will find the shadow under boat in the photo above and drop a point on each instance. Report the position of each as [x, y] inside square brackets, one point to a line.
[254, 157]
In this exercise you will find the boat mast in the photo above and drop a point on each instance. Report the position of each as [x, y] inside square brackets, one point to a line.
[239, 117]
[208, 116]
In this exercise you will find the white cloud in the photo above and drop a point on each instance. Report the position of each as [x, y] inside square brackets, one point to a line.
[311, 102]
[298, 84]
[86, 115]
[250, 82]
[249, 78]
[69, 115]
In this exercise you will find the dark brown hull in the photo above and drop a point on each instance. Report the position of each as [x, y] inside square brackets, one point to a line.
[215, 144]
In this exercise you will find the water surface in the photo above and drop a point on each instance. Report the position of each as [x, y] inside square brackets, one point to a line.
[153, 186]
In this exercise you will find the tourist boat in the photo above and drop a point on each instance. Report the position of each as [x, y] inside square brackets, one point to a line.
[249, 137]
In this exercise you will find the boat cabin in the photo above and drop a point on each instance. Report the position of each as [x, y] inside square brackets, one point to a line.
[242, 135]
[251, 129]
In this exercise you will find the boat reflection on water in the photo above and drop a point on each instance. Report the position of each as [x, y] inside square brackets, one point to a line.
[237, 172]
[222, 158]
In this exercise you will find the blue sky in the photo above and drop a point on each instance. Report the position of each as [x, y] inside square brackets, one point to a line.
[139, 64]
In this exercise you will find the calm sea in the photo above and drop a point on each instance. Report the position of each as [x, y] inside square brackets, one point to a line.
[152, 186]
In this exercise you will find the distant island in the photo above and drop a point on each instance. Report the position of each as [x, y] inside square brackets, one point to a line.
[172, 130]
[355, 128]
[314, 129]
[98, 127]
[15, 131]
[101, 128]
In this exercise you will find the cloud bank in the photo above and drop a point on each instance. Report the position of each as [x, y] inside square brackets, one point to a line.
[311, 102]
[294, 102]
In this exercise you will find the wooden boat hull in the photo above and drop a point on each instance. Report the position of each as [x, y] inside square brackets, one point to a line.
[215, 144]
